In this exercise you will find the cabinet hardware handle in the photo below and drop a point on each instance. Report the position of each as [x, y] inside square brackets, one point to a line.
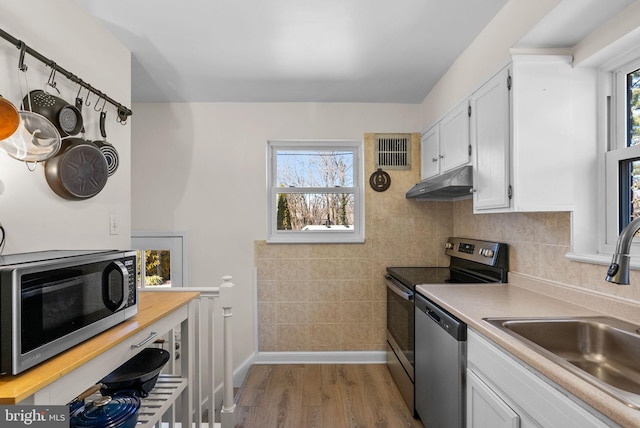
[434, 159]
[152, 336]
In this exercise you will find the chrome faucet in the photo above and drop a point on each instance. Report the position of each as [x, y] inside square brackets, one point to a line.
[618, 271]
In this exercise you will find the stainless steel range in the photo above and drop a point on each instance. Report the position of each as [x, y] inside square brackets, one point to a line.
[472, 261]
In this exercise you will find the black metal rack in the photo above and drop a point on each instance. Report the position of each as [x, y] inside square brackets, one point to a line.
[123, 112]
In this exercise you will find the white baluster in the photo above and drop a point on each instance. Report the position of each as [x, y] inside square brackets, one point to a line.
[227, 414]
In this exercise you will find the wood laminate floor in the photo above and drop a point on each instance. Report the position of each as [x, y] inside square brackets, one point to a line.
[321, 396]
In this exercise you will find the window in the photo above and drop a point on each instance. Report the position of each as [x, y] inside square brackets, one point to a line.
[160, 259]
[315, 191]
[623, 157]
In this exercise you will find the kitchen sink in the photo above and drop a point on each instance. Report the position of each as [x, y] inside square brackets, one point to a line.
[604, 351]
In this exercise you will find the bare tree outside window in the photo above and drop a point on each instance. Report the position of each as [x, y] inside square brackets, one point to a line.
[630, 168]
[316, 189]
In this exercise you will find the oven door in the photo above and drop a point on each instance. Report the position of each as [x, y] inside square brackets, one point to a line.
[400, 322]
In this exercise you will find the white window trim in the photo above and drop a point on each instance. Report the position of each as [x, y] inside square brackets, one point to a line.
[316, 236]
[600, 217]
[617, 150]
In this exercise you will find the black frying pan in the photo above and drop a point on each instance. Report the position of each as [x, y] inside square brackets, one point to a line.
[78, 171]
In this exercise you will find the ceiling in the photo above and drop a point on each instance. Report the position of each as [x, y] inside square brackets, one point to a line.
[375, 51]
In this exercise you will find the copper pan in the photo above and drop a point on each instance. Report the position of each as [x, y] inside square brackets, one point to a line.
[9, 118]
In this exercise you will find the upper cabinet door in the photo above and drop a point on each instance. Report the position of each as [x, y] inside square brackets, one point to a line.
[454, 138]
[550, 110]
[430, 152]
[490, 137]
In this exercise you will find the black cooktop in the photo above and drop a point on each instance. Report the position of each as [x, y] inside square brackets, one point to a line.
[412, 276]
[471, 261]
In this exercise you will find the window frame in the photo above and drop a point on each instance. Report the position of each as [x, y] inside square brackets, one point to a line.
[356, 235]
[615, 90]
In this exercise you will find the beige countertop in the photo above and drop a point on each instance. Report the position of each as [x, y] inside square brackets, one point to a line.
[471, 303]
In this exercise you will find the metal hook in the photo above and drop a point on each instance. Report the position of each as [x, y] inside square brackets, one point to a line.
[98, 103]
[86, 102]
[52, 78]
[23, 49]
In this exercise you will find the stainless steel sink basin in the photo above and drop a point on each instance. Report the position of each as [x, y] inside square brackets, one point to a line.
[604, 351]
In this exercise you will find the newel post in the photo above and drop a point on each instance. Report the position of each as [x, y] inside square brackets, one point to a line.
[227, 414]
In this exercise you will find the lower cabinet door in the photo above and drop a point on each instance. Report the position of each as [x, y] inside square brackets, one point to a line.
[485, 409]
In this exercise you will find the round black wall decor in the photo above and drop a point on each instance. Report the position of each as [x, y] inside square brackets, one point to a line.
[380, 180]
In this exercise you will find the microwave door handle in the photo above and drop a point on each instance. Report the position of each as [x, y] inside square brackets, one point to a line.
[111, 304]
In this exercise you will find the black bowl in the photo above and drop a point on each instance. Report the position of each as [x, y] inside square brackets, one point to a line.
[139, 374]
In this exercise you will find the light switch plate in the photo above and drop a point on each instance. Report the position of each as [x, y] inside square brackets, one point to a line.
[114, 224]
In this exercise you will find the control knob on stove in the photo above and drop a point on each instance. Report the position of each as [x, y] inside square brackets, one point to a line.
[448, 246]
[487, 252]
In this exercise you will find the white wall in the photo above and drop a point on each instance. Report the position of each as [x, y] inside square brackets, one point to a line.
[34, 217]
[484, 57]
[201, 168]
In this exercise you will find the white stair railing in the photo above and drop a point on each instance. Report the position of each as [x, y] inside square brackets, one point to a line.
[203, 386]
[228, 411]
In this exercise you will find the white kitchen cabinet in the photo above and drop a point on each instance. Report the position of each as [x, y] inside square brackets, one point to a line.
[454, 138]
[511, 386]
[522, 125]
[430, 151]
[485, 408]
[490, 126]
[445, 145]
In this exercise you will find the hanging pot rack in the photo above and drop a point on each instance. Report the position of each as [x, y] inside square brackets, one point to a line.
[123, 112]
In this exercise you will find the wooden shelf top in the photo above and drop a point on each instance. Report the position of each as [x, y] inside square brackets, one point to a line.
[152, 306]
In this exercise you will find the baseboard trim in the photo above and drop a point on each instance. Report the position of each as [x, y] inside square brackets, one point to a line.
[324, 357]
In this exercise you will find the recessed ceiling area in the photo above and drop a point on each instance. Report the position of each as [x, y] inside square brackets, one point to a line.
[291, 50]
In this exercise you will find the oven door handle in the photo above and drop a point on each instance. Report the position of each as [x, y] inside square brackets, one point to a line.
[406, 295]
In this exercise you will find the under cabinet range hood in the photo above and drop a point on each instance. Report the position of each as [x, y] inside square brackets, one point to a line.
[451, 185]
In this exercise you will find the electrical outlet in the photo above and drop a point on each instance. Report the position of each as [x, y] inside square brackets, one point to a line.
[114, 224]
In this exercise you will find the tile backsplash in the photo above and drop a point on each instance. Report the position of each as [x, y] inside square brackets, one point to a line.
[538, 243]
[325, 297]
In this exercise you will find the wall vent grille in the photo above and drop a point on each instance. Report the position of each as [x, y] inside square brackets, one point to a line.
[393, 151]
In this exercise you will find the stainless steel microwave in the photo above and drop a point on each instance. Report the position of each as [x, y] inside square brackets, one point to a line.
[51, 301]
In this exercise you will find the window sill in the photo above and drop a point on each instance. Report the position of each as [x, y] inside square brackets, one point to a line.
[315, 240]
[595, 259]
[600, 259]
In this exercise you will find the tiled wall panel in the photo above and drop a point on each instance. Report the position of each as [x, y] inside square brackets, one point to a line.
[329, 297]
